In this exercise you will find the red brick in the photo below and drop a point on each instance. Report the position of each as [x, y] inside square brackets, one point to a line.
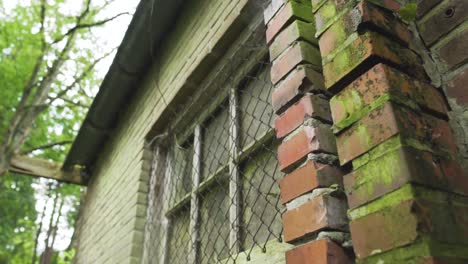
[457, 88]
[288, 13]
[299, 53]
[350, 104]
[389, 120]
[308, 177]
[447, 16]
[297, 83]
[307, 140]
[323, 251]
[364, 15]
[317, 214]
[366, 51]
[402, 166]
[455, 51]
[298, 30]
[385, 230]
[309, 106]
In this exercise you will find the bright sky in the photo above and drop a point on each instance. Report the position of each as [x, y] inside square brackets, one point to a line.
[109, 36]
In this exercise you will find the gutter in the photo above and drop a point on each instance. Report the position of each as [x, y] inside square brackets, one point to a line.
[150, 23]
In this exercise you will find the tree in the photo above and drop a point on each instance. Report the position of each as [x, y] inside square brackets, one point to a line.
[46, 74]
[48, 54]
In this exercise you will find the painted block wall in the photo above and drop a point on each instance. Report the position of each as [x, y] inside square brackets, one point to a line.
[113, 215]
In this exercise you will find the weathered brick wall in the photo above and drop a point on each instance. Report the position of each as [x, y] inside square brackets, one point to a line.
[315, 220]
[113, 216]
[443, 28]
[407, 192]
[405, 184]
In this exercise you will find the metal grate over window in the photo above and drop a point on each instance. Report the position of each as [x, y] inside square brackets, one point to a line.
[214, 194]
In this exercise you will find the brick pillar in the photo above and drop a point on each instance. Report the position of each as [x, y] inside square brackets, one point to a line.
[406, 192]
[315, 220]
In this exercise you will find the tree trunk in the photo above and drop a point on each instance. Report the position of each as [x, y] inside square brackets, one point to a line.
[47, 254]
[36, 241]
[59, 214]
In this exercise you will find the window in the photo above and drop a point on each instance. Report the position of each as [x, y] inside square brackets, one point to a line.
[219, 192]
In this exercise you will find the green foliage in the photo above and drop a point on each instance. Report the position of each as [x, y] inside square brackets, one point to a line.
[66, 257]
[17, 216]
[20, 47]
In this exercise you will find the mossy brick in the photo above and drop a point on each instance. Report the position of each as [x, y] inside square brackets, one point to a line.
[322, 251]
[417, 260]
[308, 177]
[321, 212]
[275, 5]
[306, 140]
[316, 4]
[442, 19]
[391, 5]
[407, 222]
[424, 251]
[329, 12]
[389, 120]
[456, 89]
[396, 167]
[287, 14]
[298, 30]
[365, 51]
[309, 106]
[301, 80]
[300, 52]
[378, 85]
[425, 6]
[453, 50]
[362, 17]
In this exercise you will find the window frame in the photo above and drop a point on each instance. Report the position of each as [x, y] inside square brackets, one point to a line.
[237, 155]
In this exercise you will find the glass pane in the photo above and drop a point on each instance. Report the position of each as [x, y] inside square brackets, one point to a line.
[179, 238]
[214, 225]
[262, 207]
[215, 142]
[181, 178]
[255, 111]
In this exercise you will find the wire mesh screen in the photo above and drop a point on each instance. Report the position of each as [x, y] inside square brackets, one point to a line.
[214, 194]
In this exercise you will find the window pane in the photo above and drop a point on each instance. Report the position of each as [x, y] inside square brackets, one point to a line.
[179, 238]
[214, 225]
[215, 146]
[255, 111]
[261, 205]
[181, 178]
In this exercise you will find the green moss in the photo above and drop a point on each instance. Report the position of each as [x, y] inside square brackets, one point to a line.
[355, 108]
[408, 12]
[329, 14]
[346, 59]
[302, 11]
[406, 192]
[402, 194]
[382, 149]
[328, 11]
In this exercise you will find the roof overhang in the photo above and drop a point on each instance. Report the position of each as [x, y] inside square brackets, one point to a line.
[150, 23]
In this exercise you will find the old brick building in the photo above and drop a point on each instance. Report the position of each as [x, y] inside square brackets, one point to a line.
[280, 131]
